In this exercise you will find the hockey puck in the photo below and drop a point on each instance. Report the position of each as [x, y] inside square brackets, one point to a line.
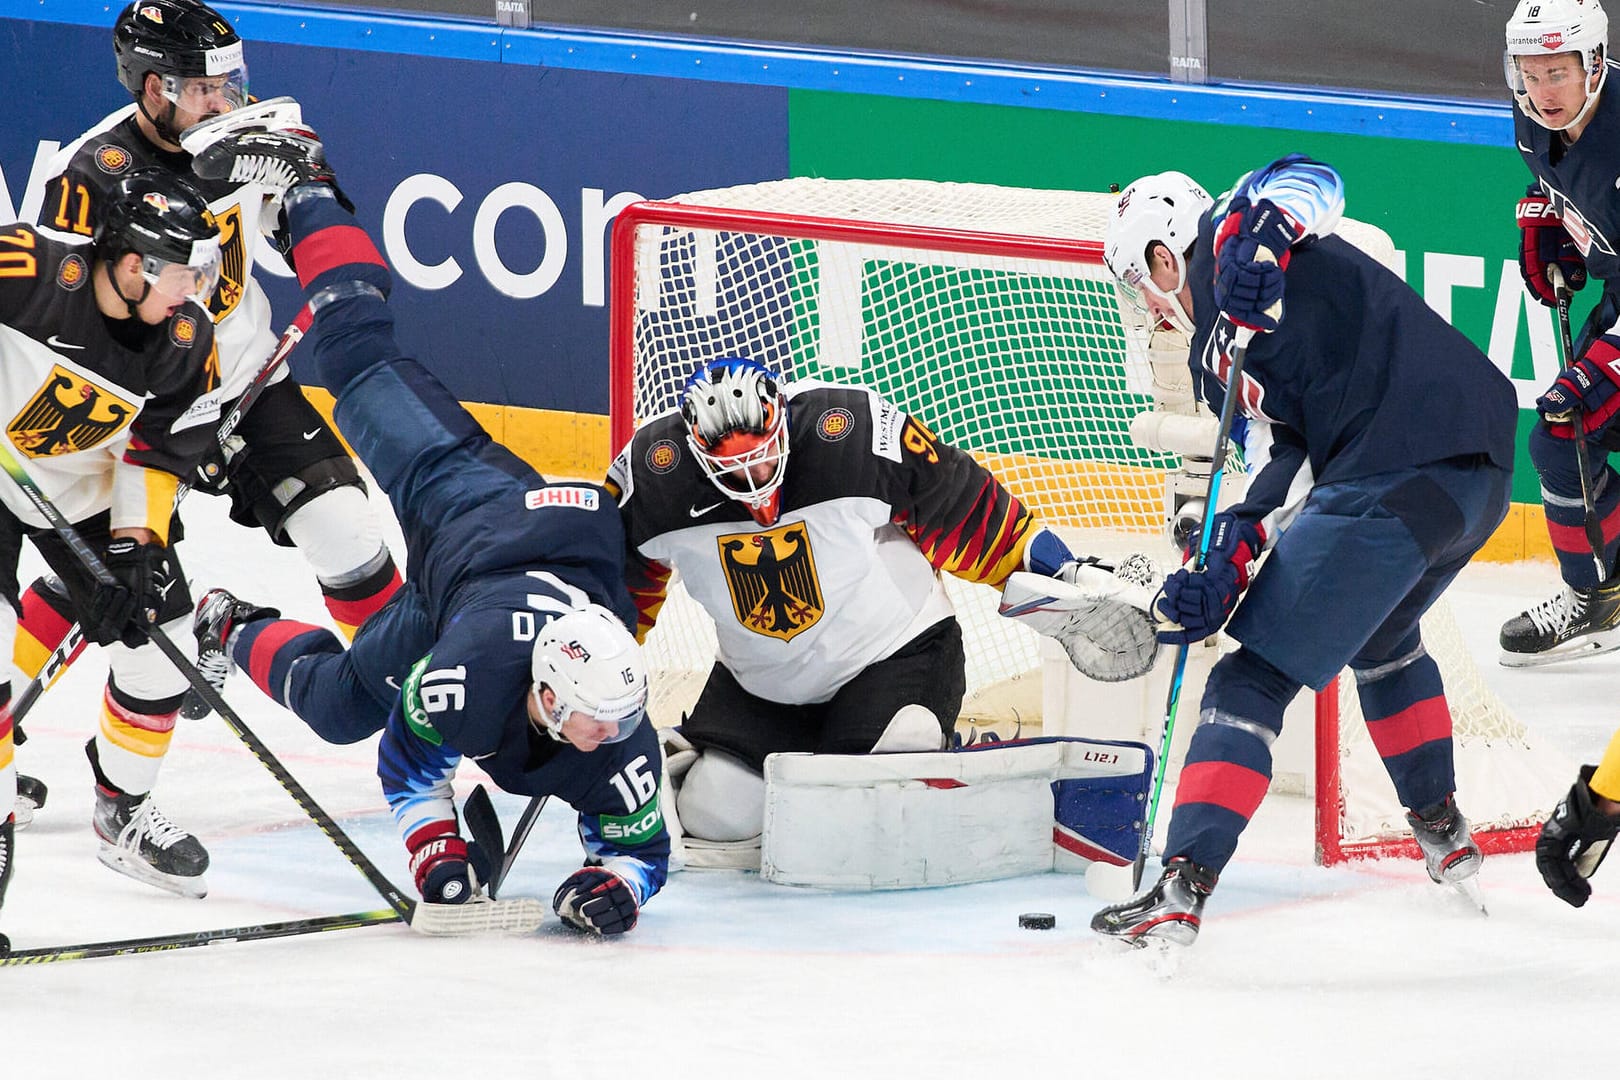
[1036, 920]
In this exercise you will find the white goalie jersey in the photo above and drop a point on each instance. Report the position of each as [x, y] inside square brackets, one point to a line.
[873, 506]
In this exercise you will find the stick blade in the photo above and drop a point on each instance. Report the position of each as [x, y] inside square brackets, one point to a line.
[523, 915]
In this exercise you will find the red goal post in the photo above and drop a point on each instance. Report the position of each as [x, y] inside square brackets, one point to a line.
[986, 311]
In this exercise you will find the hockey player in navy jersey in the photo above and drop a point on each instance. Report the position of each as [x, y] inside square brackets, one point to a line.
[1381, 446]
[1568, 132]
[508, 644]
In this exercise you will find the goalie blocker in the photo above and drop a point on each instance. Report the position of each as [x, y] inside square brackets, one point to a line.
[997, 810]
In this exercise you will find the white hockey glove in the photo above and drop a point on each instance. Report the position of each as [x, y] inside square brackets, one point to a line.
[1100, 615]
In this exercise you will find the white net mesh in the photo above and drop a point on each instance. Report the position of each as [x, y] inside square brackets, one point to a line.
[986, 312]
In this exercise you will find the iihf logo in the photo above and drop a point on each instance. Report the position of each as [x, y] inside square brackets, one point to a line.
[575, 651]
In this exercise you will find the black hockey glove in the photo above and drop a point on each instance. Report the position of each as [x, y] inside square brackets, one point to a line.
[1574, 841]
[1199, 602]
[122, 609]
[596, 900]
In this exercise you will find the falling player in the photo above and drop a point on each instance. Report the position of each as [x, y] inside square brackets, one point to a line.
[106, 345]
[509, 642]
[819, 565]
[285, 470]
[1381, 442]
[1565, 127]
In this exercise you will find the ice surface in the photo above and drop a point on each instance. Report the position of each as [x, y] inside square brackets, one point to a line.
[1369, 971]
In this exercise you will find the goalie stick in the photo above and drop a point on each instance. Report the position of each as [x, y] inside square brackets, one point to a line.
[1217, 469]
[1576, 417]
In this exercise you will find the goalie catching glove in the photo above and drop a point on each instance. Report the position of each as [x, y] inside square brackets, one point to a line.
[1574, 841]
[1099, 614]
[596, 900]
[1198, 602]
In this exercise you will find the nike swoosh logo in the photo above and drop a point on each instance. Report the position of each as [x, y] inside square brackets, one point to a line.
[308, 435]
[699, 511]
[1525, 148]
[391, 681]
[57, 343]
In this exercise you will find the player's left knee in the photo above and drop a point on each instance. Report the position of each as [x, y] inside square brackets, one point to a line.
[333, 516]
[914, 728]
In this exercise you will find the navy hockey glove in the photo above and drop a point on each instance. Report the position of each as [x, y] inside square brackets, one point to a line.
[1574, 841]
[597, 900]
[1544, 242]
[1200, 601]
[1252, 248]
[1588, 385]
[447, 869]
[122, 609]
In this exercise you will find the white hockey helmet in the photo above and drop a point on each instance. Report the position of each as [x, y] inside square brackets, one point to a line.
[1551, 28]
[1160, 209]
[737, 426]
[592, 665]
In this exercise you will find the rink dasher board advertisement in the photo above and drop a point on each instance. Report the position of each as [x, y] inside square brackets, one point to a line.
[489, 164]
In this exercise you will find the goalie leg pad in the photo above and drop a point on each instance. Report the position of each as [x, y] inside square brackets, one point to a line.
[866, 822]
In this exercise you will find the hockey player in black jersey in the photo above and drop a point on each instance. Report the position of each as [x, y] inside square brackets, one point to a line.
[811, 522]
[1567, 129]
[105, 346]
[509, 642]
[285, 470]
[1381, 446]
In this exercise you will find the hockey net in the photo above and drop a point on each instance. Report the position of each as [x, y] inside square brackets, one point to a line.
[987, 312]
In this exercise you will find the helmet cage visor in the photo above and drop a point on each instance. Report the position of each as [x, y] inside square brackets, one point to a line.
[207, 95]
[623, 713]
[195, 279]
[737, 472]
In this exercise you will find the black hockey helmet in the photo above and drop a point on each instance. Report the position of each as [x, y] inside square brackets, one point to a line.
[178, 39]
[161, 217]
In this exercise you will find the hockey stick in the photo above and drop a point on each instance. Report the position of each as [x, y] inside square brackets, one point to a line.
[169, 942]
[1234, 388]
[98, 570]
[62, 655]
[1583, 456]
[485, 827]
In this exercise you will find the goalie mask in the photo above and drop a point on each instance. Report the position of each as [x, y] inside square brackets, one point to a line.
[1161, 209]
[1549, 28]
[192, 48]
[161, 217]
[593, 666]
[737, 426]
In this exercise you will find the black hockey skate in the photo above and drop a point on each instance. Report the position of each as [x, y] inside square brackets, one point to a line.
[139, 842]
[278, 159]
[1169, 912]
[1449, 851]
[1571, 624]
[31, 793]
[218, 614]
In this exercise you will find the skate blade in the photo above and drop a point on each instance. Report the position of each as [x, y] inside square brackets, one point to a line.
[1468, 888]
[193, 888]
[523, 915]
[1592, 645]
